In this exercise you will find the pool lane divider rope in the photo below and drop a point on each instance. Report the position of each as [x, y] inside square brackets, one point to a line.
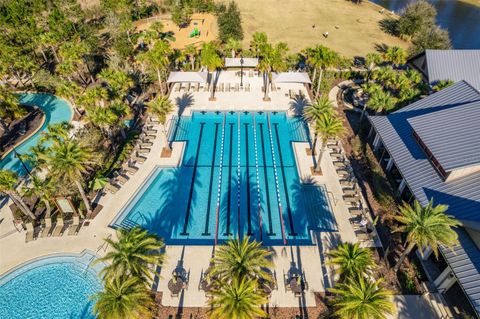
[195, 166]
[209, 204]
[285, 188]
[229, 193]
[276, 180]
[238, 177]
[222, 143]
[267, 190]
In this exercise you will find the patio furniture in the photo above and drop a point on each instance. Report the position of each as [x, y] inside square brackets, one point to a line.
[57, 231]
[227, 89]
[206, 88]
[297, 285]
[189, 85]
[362, 235]
[237, 87]
[178, 87]
[130, 169]
[300, 93]
[138, 158]
[247, 87]
[221, 87]
[112, 188]
[355, 211]
[346, 182]
[75, 226]
[343, 172]
[350, 192]
[46, 229]
[291, 94]
[340, 164]
[176, 285]
[122, 179]
[337, 155]
[274, 87]
[29, 236]
[146, 144]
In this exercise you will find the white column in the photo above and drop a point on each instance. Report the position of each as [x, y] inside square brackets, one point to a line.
[445, 280]
[389, 164]
[401, 187]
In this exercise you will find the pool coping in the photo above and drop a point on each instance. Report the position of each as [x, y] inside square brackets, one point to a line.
[5, 277]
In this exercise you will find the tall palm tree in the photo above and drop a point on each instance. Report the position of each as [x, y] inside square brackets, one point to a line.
[123, 298]
[314, 111]
[351, 260]
[212, 61]
[191, 51]
[259, 39]
[369, 88]
[362, 299]
[327, 126]
[242, 258]
[8, 182]
[380, 101]
[132, 253]
[272, 58]
[241, 299]
[233, 46]
[396, 56]
[427, 226]
[119, 82]
[158, 58]
[383, 74]
[69, 161]
[9, 108]
[161, 106]
[323, 58]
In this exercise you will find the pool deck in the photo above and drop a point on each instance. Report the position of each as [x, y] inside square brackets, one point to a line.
[310, 259]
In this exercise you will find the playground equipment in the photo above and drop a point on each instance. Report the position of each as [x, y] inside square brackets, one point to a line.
[195, 33]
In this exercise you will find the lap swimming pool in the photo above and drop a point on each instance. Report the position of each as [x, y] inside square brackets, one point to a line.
[238, 177]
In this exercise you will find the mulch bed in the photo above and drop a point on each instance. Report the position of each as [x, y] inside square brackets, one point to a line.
[273, 312]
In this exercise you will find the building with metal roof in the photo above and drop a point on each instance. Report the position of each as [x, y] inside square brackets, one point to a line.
[455, 65]
[432, 149]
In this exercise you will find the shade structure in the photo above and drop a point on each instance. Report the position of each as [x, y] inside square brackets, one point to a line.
[237, 63]
[177, 77]
[291, 77]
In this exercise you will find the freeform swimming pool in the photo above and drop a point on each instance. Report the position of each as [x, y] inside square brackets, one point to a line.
[56, 111]
[49, 288]
[238, 177]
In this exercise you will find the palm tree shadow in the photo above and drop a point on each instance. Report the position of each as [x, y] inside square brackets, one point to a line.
[298, 104]
[184, 101]
[85, 313]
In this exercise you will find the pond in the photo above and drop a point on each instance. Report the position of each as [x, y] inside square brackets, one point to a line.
[461, 19]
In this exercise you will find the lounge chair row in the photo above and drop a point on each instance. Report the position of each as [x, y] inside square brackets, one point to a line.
[130, 167]
[55, 230]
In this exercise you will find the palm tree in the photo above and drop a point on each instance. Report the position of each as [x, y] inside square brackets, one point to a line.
[370, 89]
[259, 39]
[191, 51]
[427, 226]
[383, 74]
[362, 299]
[212, 61]
[42, 189]
[132, 253]
[158, 58]
[8, 182]
[242, 258]
[380, 101]
[57, 132]
[396, 56]
[327, 126]
[161, 106]
[272, 58]
[314, 111]
[233, 46]
[323, 58]
[69, 161]
[414, 76]
[119, 82]
[241, 299]
[123, 298]
[371, 60]
[351, 260]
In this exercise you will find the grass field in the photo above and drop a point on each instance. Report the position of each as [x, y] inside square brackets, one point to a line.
[291, 21]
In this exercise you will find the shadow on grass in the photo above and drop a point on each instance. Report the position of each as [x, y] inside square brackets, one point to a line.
[389, 26]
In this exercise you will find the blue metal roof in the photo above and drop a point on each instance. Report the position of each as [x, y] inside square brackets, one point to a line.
[455, 65]
[461, 194]
[464, 259]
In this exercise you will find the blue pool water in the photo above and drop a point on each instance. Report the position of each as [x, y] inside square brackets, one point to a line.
[56, 110]
[237, 166]
[50, 288]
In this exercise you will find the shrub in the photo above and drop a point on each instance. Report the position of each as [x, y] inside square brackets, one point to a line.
[416, 16]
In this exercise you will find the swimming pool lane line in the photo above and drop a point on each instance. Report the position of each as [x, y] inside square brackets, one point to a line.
[192, 186]
[209, 204]
[276, 180]
[249, 209]
[238, 176]
[229, 193]
[265, 174]
[257, 177]
[217, 211]
[285, 188]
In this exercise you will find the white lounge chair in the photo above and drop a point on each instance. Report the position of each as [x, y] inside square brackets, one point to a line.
[138, 158]
[57, 231]
[74, 227]
[120, 177]
[29, 236]
[112, 188]
[48, 226]
[130, 169]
